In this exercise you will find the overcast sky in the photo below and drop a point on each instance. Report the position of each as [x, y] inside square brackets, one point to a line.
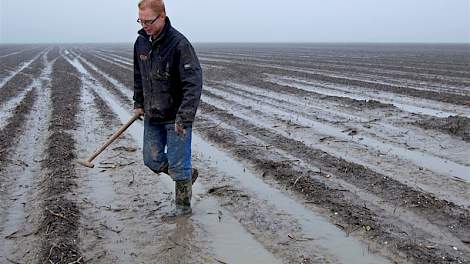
[241, 20]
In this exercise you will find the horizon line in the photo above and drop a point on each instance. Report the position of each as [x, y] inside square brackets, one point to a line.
[247, 42]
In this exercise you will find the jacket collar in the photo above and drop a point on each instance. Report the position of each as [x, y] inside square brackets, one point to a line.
[162, 35]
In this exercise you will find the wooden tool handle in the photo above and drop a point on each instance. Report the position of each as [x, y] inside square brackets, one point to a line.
[113, 137]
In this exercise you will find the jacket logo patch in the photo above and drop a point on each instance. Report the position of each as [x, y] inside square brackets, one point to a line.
[143, 56]
[187, 66]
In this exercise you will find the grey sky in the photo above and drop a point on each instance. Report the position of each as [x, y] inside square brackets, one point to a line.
[241, 20]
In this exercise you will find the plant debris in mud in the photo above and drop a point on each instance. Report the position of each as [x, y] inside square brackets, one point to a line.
[15, 125]
[351, 215]
[454, 125]
[59, 227]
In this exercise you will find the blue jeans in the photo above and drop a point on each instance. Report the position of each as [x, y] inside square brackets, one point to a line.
[178, 149]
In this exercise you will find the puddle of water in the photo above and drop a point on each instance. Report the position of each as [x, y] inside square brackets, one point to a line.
[25, 173]
[326, 235]
[6, 109]
[456, 151]
[340, 92]
[291, 100]
[98, 189]
[116, 83]
[215, 60]
[117, 58]
[373, 75]
[433, 163]
[13, 53]
[19, 69]
[112, 61]
[227, 237]
[229, 240]
[105, 195]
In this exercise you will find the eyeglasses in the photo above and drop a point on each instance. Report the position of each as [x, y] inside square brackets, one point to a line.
[147, 22]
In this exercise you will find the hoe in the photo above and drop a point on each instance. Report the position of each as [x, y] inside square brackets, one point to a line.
[87, 163]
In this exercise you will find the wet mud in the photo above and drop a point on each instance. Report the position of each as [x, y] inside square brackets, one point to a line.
[460, 99]
[59, 227]
[425, 204]
[21, 80]
[15, 124]
[458, 126]
[289, 173]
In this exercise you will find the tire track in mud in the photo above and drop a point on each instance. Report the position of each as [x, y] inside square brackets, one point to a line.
[120, 203]
[387, 121]
[355, 151]
[178, 245]
[14, 125]
[12, 64]
[21, 80]
[112, 59]
[301, 72]
[24, 68]
[284, 225]
[332, 92]
[9, 139]
[10, 98]
[112, 56]
[285, 254]
[453, 85]
[21, 216]
[277, 131]
[9, 50]
[359, 103]
[105, 82]
[53, 54]
[340, 108]
[353, 214]
[59, 227]
[389, 165]
[303, 61]
[433, 163]
[335, 57]
[407, 104]
[458, 126]
[118, 73]
[419, 78]
[426, 248]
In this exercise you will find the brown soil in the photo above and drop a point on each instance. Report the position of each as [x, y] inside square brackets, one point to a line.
[113, 213]
[439, 212]
[21, 80]
[458, 126]
[61, 215]
[15, 124]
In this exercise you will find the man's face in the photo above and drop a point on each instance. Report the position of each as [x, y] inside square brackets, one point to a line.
[147, 15]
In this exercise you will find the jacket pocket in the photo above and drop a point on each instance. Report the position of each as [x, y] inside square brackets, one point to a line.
[161, 71]
[161, 98]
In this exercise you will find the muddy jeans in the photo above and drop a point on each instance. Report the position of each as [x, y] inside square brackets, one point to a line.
[178, 155]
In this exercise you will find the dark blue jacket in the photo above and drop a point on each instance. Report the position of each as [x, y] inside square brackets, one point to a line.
[167, 76]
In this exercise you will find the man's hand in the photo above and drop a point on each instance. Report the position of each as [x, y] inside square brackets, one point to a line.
[179, 129]
[139, 111]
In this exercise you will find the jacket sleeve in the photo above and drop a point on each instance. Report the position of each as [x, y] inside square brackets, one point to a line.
[190, 74]
[138, 90]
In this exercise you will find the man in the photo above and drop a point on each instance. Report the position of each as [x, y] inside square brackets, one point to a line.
[167, 88]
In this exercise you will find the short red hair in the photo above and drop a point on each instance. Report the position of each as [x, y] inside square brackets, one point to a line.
[156, 5]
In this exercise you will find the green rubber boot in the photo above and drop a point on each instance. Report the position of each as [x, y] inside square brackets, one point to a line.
[183, 191]
[183, 194]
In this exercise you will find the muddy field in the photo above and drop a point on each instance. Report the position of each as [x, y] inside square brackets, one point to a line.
[306, 154]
